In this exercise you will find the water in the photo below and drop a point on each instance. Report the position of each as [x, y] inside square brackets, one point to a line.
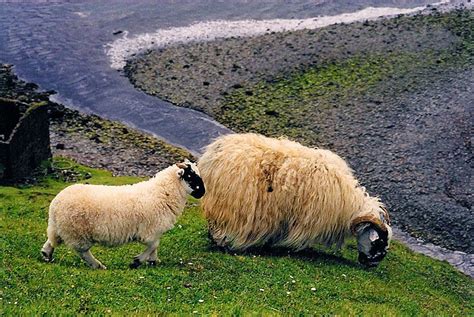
[60, 45]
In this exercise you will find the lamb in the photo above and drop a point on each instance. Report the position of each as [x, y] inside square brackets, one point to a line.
[275, 192]
[83, 215]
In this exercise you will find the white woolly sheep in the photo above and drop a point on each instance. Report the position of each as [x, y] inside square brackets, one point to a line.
[83, 215]
[265, 191]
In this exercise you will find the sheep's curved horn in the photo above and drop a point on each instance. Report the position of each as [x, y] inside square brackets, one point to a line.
[368, 218]
[386, 215]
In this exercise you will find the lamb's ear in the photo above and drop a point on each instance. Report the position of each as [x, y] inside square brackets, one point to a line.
[181, 165]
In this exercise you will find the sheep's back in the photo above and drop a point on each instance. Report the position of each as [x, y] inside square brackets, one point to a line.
[260, 190]
[106, 214]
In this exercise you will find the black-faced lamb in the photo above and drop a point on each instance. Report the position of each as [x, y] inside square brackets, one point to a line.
[82, 215]
[265, 191]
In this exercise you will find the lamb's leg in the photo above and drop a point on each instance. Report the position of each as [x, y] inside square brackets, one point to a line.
[47, 251]
[53, 241]
[152, 258]
[87, 256]
[150, 251]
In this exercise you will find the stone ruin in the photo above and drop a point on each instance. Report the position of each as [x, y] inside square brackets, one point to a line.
[24, 138]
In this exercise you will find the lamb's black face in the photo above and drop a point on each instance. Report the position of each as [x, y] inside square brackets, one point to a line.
[372, 244]
[193, 180]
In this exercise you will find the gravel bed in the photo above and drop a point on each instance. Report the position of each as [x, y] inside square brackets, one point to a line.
[201, 75]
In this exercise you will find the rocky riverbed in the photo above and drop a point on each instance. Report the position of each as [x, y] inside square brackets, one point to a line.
[392, 96]
[91, 140]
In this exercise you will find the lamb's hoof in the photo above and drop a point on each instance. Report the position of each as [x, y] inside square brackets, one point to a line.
[99, 266]
[135, 264]
[47, 257]
[152, 263]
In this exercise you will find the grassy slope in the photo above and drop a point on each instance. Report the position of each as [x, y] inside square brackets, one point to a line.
[191, 270]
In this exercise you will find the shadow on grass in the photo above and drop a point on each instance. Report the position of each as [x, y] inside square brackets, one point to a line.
[310, 255]
[318, 257]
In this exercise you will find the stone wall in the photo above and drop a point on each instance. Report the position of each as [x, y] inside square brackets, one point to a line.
[25, 142]
[9, 117]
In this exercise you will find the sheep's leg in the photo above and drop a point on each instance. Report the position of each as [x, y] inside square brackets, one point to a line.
[47, 251]
[90, 259]
[150, 252]
[217, 235]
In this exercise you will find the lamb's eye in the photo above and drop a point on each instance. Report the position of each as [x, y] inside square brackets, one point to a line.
[197, 187]
[189, 176]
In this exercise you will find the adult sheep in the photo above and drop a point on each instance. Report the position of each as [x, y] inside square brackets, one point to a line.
[265, 191]
[83, 215]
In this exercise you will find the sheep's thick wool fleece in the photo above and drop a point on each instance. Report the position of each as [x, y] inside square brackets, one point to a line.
[262, 190]
[114, 215]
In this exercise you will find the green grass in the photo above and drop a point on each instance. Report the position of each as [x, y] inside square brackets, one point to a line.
[273, 282]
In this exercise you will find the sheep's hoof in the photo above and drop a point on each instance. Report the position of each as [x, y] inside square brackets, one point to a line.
[152, 263]
[135, 264]
[101, 267]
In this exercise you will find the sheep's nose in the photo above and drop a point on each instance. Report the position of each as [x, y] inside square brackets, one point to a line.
[366, 261]
[372, 259]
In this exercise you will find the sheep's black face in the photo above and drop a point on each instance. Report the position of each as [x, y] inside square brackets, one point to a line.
[194, 181]
[372, 243]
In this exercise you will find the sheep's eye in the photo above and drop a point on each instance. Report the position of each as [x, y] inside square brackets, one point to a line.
[189, 176]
